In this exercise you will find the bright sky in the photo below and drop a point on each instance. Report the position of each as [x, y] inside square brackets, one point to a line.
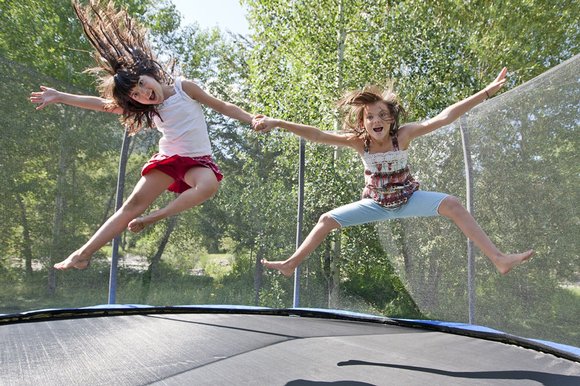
[228, 15]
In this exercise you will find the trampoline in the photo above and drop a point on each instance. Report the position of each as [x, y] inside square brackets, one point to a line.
[140, 345]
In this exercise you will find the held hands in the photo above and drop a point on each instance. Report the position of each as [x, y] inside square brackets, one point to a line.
[262, 123]
[494, 86]
[44, 97]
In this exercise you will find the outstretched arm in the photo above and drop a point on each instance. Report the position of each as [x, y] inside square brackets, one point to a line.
[225, 108]
[310, 133]
[451, 113]
[47, 96]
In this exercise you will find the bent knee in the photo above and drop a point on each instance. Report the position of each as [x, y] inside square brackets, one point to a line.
[203, 180]
[135, 204]
[328, 221]
[210, 188]
[450, 206]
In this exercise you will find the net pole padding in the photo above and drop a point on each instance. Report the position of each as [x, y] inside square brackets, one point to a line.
[118, 203]
[469, 206]
[296, 297]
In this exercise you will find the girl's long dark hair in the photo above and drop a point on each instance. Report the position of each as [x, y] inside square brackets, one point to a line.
[123, 55]
[353, 104]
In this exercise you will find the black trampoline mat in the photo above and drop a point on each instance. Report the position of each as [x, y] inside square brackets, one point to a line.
[240, 349]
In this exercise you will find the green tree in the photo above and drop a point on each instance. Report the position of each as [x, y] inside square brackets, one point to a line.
[45, 37]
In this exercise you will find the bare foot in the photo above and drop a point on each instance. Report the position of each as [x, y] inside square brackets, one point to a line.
[137, 225]
[73, 261]
[281, 266]
[507, 262]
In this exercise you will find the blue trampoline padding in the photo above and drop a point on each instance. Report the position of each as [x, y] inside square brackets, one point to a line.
[559, 346]
[462, 326]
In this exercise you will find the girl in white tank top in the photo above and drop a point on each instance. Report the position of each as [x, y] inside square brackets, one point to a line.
[133, 84]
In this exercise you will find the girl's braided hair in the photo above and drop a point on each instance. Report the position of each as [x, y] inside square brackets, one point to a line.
[123, 55]
[353, 104]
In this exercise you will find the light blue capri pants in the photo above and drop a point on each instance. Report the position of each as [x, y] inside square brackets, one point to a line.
[421, 204]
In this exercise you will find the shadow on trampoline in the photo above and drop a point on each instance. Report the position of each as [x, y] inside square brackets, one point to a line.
[537, 376]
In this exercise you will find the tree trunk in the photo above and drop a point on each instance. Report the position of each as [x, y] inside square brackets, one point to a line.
[56, 250]
[153, 269]
[26, 248]
[258, 274]
[405, 251]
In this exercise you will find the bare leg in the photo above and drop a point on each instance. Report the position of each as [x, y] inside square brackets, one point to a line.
[452, 208]
[204, 185]
[145, 192]
[325, 225]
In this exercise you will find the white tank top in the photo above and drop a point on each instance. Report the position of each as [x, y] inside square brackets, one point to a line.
[183, 126]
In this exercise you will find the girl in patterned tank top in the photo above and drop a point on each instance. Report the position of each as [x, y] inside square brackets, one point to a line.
[372, 129]
[133, 84]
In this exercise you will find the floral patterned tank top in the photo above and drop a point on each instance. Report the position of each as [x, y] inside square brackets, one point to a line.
[388, 180]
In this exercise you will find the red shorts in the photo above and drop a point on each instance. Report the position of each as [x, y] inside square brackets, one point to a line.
[176, 166]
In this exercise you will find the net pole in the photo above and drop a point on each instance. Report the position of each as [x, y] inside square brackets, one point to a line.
[296, 297]
[118, 204]
[469, 207]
